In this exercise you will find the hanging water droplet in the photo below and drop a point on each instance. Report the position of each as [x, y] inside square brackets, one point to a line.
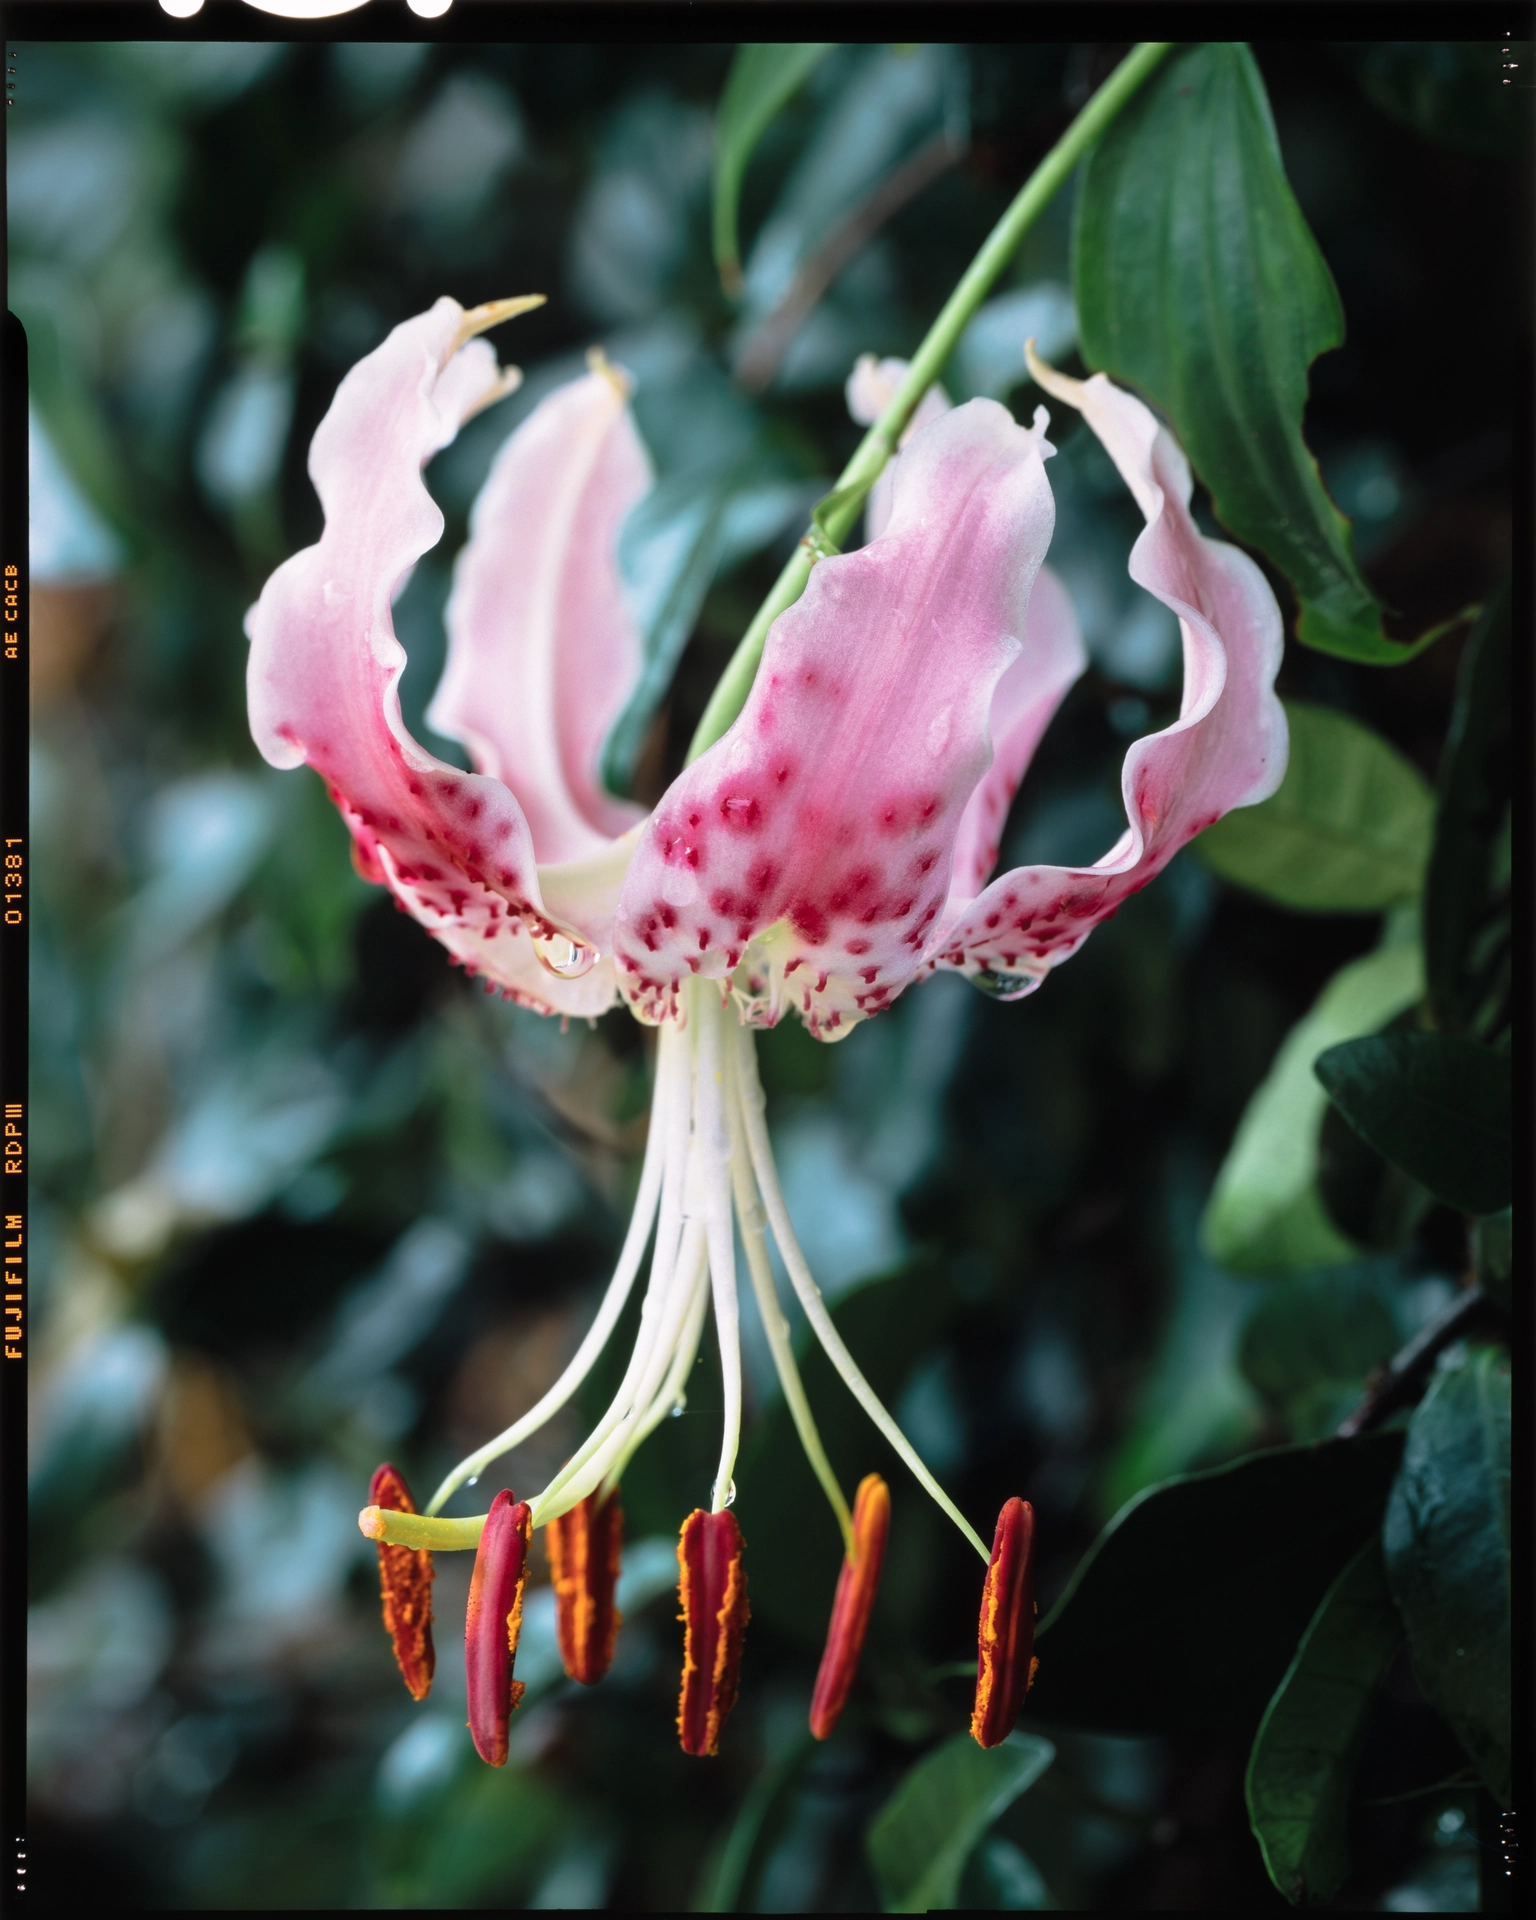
[473, 1480]
[677, 1410]
[730, 1496]
[1000, 986]
[562, 956]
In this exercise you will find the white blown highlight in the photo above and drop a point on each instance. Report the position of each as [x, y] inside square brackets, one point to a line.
[708, 1174]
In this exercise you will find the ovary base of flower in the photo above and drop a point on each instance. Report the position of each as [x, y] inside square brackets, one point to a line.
[833, 847]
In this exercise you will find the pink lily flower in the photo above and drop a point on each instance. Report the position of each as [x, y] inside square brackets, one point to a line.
[833, 847]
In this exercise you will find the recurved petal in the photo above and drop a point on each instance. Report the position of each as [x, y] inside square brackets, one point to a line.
[405, 1589]
[492, 1622]
[1023, 704]
[1227, 748]
[542, 650]
[815, 841]
[325, 665]
[852, 1605]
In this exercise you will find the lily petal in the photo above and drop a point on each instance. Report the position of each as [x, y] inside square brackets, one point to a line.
[542, 651]
[870, 389]
[1227, 748]
[819, 832]
[1027, 696]
[324, 671]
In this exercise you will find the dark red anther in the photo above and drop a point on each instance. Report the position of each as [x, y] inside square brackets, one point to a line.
[851, 1608]
[713, 1590]
[584, 1550]
[405, 1587]
[1005, 1662]
[492, 1622]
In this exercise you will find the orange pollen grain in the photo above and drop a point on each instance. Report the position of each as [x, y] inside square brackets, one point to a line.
[852, 1605]
[405, 1589]
[585, 1548]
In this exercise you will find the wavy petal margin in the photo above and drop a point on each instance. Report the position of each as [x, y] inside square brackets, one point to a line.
[814, 842]
[324, 671]
[1227, 748]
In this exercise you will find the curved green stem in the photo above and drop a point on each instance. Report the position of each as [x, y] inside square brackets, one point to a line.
[842, 506]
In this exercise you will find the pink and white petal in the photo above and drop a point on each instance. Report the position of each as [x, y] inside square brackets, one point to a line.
[871, 387]
[325, 665]
[542, 650]
[1227, 749]
[819, 832]
[1027, 696]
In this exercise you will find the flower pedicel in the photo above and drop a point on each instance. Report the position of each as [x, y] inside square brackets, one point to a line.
[835, 845]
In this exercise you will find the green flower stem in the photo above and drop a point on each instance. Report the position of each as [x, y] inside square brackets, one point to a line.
[394, 1529]
[841, 508]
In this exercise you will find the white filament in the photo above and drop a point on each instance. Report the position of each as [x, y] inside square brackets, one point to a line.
[708, 1168]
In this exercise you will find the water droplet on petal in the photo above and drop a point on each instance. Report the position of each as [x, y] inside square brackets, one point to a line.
[1000, 986]
[567, 959]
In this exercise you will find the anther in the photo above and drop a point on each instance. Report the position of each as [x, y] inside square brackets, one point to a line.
[1005, 1662]
[405, 1588]
[852, 1605]
[585, 1545]
[492, 1622]
[713, 1592]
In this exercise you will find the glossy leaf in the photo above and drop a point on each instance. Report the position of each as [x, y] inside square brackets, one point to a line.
[1311, 1341]
[1189, 1605]
[1466, 901]
[1303, 1760]
[1198, 281]
[1348, 831]
[1446, 1541]
[1264, 1214]
[922, 1837]
[762, 79]
[1435, 1105]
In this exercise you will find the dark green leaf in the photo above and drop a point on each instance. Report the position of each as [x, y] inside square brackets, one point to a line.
[1348, 830]
[1435, 1105]
[1450, 91]
[1303, 1760]
[1310, 1342]
[1466, 900]
[1371, 1201]
[1189, 1605]
[1199, 282]
[1447, 1551]
[1264, 1214]
[922, 1837]
[762, 79]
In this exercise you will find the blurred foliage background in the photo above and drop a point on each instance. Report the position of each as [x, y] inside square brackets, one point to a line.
[302, 1200]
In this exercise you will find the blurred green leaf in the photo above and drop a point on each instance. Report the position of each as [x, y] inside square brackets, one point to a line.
[1308, 1744]
[922, 1837]
[1310, 1342]
[1435, 1105]
[762, 79]
[1446, 1540]
[1466, 900]
[1264, 1214]
[1194, 1406]
[1450, 91]
[1348, 830]
[1190, 1603]
[1198, 281]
